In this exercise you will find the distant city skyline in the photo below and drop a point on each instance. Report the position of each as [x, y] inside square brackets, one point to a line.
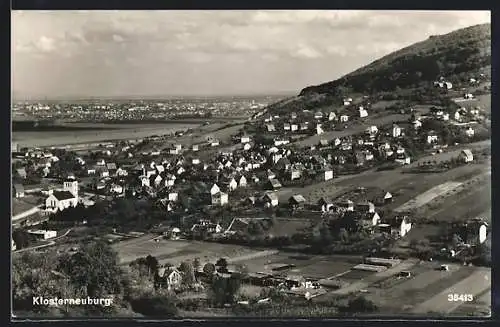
[66, 54]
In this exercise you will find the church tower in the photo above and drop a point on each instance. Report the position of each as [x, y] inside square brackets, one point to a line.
[71, 185]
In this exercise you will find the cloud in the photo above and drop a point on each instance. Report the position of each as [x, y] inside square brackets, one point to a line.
[275, 47]
[45, 44]
[307, 52]
[117, 38]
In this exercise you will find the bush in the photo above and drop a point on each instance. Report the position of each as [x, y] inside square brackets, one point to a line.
[157, 306]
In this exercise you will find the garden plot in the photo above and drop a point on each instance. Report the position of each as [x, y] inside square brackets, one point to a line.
[428, 196]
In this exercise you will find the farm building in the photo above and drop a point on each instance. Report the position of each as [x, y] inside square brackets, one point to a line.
[273, 184]
[220, 199]
[466, 155]
[365, 206]
[18, 190]
[43, 234]
[474, 232]
[297, 201]
[169, 278]
[382, 198]
[345, 205]
[397, 226]
[270, 199]
[325, 204]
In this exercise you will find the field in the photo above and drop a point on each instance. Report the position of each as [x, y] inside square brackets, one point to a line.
[476, 283]
[427, 289]
[315, 267]
[428, 196]
[116, 132]
[480, 306]
[176, 251]
[20, 205]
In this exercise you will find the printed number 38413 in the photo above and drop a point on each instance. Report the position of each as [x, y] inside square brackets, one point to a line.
[454, 297]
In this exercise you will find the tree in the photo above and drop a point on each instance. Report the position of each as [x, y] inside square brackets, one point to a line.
[360, 305]
[209, 269]
[188, 276]
[152, 264]
[157, 306]
[456, 240]
[255, 228]
[94, 270]
[196, 264]
[221, 265]
[32, 276]
[325, 235]
[21, 239]
[343, 235]
[223, 290]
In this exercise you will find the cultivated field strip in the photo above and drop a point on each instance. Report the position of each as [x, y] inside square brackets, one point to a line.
[428, 196]
[474, 284]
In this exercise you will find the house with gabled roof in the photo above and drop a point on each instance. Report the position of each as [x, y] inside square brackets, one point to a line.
[18, 190]
[466, 156]
[21, 172]
[273, 184]
[297, 201]
[270, 199]
[169, 278]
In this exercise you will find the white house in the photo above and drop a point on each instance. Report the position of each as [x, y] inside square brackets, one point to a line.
[319, 130]
[171, 278]
[466, 155]
[19, 190]
[245, 139]
[243, 181]
[396, 131]
[417, 124]
[195, 161]
[372, 130]
[215, 189]
[332, 116]
[170, 180]
[328, 174]
[344, 118]
[270, 199]
[116, 188]
[220, 199]
[399, 226]
[43, 234]
[469, 132]
[432, 138]
[173, 196]
[362, 112]
[233, 185]
[144, 180]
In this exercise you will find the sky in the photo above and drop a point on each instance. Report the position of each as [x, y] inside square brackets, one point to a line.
[169, 53]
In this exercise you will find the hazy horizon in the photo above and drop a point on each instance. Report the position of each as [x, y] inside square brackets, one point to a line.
[168, 54]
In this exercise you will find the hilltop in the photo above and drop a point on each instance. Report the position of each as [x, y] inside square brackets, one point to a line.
[456, 56]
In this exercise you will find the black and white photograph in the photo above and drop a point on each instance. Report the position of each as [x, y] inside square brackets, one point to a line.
[241, 164]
